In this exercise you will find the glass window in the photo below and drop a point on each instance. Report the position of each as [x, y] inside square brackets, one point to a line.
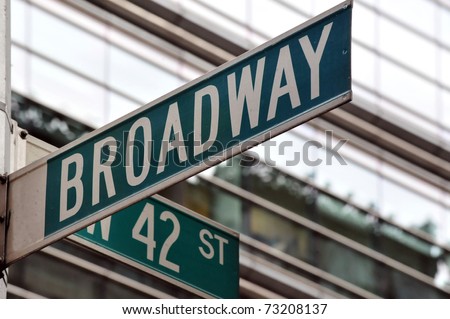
[330, 255]
[442, 231]
[444, 68]
[371, 2]
[409, 209]
[67, 44]
[66, 92]
[350, 181]
[188, 73]
[323, 5]
[443, 234]
[414, 92]
[279, 233]
[445, 119]
[444, 25]
[445, 137]
[407, 48]
[211, 15]
[414, 183]
[364, 23]
[360, 156]
[227, 210]
[119, 106]
[238, 9]
[147, 51]
[364, 66]
[306, 131]
[286, 152]
[272, 18]
[304, 6]
[72, 15]
[138, 78]
[366, 95]
[418, 14]
[335, 171]
[19, 70]
[404, 116]
[20, 21]
[349, 265]
[446, 200]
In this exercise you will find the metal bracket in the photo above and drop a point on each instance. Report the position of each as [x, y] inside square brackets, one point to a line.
[4, 219]
[17, 154]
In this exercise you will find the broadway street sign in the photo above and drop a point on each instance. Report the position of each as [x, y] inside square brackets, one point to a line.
[277, 86]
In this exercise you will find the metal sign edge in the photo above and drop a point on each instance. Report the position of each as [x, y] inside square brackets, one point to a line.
[134, 264]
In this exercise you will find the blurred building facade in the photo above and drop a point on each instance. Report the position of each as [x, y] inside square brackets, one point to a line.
[374, 223]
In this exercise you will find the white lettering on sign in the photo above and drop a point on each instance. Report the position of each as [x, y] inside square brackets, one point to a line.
[105, 226]
[103, 168]
[165, 216]
[212, 245]
[247, 92]
[74, 183]
[144, 232]
[147, 218]
[209, 252]
[173, 124]
[243, 91]
[284, 66]
[145, 125]
[314, 58]
[213, 94]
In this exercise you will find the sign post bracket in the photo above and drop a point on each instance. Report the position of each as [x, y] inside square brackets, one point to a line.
[5, 131]
[3, 219]
[3, 229]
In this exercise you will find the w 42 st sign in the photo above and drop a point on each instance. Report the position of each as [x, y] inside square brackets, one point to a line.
[168, 241]
[277, 86]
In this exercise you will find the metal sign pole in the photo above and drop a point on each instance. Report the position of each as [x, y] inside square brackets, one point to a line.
[5, 130]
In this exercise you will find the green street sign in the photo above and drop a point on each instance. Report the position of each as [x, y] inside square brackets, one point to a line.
[266, 91]
[166, 240]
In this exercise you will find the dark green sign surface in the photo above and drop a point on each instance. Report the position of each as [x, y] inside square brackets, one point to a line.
[265, 92]
[164, 238]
